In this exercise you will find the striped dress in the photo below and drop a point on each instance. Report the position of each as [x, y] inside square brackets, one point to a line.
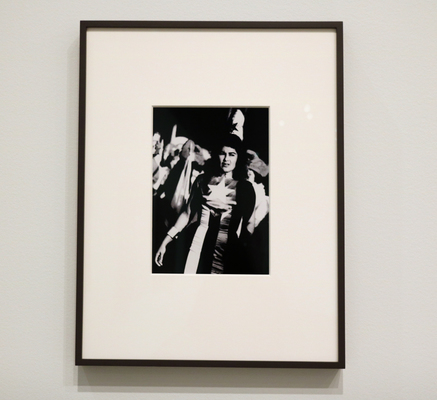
[222, 208]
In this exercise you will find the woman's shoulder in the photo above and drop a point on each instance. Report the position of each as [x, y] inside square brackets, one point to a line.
[246, 194]
[201, 182]
[199, 179]
[245, 186]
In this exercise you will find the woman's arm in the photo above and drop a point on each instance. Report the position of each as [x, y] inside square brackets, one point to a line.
[180, 224]
[182, 221]
[246, 202]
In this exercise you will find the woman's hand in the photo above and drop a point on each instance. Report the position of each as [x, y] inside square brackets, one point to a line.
[159, 257]
[220, 205]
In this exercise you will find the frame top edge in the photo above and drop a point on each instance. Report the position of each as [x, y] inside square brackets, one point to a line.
[212, 24]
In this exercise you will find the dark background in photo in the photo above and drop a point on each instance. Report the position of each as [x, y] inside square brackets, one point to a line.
[205, 125]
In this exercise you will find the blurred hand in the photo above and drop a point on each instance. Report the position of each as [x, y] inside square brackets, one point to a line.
[159, 257]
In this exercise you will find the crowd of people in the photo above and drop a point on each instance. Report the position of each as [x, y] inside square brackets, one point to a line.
[210, 206]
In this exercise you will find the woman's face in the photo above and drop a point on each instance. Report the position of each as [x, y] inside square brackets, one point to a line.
[228, 159]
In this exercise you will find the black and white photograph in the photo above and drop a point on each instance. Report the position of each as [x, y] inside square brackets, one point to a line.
[210, 190]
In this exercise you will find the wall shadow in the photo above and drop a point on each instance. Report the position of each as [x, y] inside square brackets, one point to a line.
[209, 380]
[71, 144]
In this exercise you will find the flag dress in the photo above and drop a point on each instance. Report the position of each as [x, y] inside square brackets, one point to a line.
[222, 208]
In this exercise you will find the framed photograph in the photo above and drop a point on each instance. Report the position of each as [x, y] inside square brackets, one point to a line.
[210, 194]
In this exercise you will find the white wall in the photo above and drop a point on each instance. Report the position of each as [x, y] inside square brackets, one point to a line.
[391, 204]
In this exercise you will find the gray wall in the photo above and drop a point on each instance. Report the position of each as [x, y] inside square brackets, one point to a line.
[391, 199]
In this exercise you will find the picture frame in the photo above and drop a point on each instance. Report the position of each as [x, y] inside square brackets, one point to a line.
[136, 76]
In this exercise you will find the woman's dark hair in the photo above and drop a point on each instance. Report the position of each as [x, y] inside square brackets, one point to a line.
[233, 141]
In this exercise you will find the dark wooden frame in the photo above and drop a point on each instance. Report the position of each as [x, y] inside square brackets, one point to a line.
[338, 27]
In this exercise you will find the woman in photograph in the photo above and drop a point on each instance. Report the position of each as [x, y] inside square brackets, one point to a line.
[222, 202]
